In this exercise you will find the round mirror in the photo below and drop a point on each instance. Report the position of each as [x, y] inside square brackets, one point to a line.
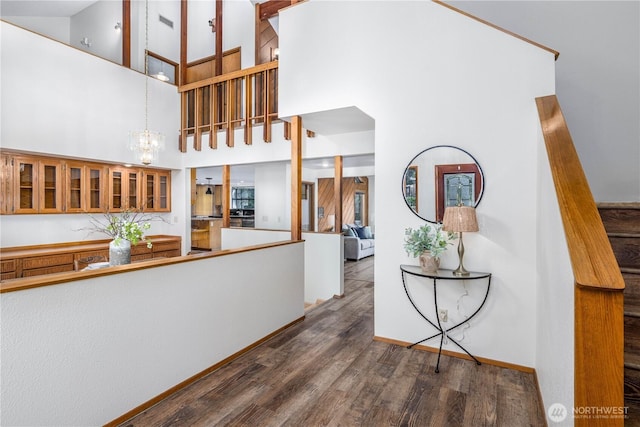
[441, 176]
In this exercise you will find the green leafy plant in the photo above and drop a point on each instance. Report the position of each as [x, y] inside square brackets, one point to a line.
[128, 225]
[427, 238]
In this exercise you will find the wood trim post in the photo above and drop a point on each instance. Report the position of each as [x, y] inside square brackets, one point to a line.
[126, 33]
[182, 144]
[183, 41]
[219, 53]
[337, 192]
[226, 196]
[296, 178]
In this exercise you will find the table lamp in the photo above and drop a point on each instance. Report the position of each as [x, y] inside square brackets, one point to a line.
[460, 219]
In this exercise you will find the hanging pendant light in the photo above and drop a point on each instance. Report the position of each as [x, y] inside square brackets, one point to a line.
[146, 143]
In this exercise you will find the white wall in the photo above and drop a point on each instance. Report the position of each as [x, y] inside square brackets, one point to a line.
[323, 257]
[273, 207]
[239, 22]
[60, 101]
[117, 341]
[466, 85]
[97, 23]
[597, 80]
[555, 329]
[57, 28]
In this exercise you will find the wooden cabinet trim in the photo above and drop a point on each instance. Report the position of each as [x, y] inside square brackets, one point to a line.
[28, 261]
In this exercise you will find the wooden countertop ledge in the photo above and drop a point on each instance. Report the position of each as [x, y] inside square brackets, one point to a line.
[13, 285]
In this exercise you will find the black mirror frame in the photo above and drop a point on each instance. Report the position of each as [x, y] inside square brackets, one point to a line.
[402, 183]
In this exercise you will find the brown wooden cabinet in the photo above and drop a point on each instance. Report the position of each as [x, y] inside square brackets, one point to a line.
[156, 190]
[25, 185]
[28, 261]
[96, 179]
[6, 172]
[31, 184]
[124, 188]
[84, 187]
[50, 188]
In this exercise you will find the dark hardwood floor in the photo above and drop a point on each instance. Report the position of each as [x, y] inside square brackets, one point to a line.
[327, 370]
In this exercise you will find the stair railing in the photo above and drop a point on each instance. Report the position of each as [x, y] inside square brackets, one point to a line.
[598, 283]
[241, 98]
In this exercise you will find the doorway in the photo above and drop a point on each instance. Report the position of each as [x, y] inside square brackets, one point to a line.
[308, 206]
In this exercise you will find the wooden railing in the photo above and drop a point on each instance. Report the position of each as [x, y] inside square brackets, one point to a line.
[241, 98]
[599, 323]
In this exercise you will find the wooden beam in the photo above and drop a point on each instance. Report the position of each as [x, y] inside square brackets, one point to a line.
[182, 142]
[296, 178]
[226, 195]
[126, 33]
[183, 42]
[337, 192]
[219, 54]
[270, 8]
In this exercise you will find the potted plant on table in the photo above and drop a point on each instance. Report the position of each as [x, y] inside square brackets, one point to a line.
[126, 229]
[427, 243]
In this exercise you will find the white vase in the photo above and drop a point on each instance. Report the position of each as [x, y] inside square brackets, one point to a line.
[120, 252]
[429, 263]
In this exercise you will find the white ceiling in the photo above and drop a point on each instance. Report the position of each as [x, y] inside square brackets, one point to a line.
[48, 8]
[336, 121]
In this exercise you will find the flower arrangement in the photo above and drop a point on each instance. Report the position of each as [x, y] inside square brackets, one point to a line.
[427, 238]
[129, 225]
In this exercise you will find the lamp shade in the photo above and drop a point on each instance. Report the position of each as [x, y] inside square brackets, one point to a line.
[460, 218]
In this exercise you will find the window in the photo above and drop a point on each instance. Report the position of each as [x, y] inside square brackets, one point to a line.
[242, 198]
[359, 208]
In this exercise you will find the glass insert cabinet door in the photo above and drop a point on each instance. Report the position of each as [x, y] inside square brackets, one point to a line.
[25, 193]
[75, 185]
[96, 178]
[50, 186]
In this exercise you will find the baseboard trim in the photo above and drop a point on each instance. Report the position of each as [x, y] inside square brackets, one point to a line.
[148, 404]
[492, 362]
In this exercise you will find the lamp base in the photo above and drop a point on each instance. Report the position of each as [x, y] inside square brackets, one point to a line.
[460, 271]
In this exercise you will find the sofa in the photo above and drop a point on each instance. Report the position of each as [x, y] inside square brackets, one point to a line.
[359, 242]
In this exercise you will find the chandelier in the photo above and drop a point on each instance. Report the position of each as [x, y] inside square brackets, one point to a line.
[146, 143]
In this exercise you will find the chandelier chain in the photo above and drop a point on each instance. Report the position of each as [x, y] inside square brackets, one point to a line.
[146, 65]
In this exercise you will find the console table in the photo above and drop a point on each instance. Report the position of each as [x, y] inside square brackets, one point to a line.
[442, 274]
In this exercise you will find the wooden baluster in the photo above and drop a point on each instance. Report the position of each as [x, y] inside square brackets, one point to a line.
[213, 99]
[230, 109]
[248, 96]
[197, 139]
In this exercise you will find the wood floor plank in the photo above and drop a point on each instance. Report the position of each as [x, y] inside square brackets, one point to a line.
[328, 371]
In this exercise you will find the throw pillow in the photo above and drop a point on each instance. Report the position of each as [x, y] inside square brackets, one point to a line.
[368, 233]
[360, 232]
[349, 232]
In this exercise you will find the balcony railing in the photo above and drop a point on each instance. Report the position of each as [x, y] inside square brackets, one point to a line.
[240, 99]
